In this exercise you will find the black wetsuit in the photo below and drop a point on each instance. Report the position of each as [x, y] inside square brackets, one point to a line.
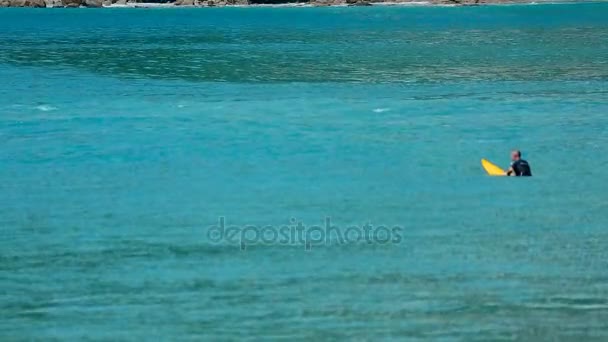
[521, 168]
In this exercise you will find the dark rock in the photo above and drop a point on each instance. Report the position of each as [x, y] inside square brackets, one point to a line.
[72, 3]
[26, 3]
[54, 3]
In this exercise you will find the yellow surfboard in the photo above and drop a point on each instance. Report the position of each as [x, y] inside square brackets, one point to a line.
[492, 169]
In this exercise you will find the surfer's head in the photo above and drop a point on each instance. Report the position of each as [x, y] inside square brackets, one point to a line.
[515, 155]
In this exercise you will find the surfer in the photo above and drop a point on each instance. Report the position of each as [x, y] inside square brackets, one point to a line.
[519, 167]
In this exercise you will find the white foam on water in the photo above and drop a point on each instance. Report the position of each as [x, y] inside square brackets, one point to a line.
[381, 110]
[46, 108]
[398, 3]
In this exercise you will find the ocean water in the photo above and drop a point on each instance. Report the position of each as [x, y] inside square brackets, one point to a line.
[126, 136]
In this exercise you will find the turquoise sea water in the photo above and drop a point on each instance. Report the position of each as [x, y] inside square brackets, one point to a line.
[126, 134]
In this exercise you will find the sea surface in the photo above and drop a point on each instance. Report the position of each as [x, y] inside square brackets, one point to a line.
[127, 136]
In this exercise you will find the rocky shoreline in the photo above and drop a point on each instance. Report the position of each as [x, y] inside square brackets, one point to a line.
[222, 3]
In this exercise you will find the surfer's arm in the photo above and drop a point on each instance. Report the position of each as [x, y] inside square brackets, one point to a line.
[510, 171]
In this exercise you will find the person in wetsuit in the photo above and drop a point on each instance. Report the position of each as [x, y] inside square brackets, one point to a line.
[519, 167]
